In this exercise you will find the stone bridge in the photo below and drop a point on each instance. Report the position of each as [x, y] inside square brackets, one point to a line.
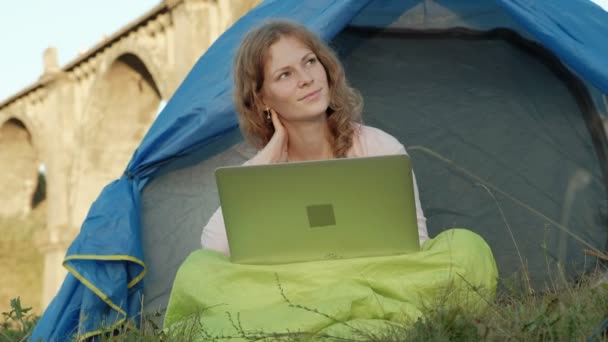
[83, 121]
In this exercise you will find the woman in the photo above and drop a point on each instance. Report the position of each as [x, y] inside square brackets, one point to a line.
[295, 104]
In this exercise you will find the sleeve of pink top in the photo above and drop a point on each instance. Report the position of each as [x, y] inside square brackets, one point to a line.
[214, 233]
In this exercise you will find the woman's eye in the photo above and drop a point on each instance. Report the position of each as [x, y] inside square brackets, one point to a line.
[312, 61]
[284, 75]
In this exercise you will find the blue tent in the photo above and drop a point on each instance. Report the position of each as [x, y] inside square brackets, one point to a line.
[499, 102]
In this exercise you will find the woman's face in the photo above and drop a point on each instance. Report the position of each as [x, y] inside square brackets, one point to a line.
[295, 82]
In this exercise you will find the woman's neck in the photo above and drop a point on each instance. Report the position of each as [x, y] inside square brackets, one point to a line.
[309, 140]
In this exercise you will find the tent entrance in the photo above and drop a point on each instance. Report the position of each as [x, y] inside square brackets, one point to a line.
[505, 140]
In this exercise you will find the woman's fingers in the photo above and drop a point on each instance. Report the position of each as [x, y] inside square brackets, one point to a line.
[278, 141]
[276, 122]
[275, 150]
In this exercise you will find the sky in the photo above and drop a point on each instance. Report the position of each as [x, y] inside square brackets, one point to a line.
[28, 27]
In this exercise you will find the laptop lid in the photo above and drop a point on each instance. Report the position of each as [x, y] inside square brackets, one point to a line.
[315, 210]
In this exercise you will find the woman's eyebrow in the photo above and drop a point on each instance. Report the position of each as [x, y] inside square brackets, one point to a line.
[287, 66]
[280, 69]
[306, 55]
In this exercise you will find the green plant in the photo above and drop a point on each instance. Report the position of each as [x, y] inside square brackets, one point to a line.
[17, 323]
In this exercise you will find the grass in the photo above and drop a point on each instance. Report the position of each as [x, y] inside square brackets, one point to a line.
[17, 322]
[571, 313]
[576, 312]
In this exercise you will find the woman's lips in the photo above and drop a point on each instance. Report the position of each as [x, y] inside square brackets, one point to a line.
[311, 94]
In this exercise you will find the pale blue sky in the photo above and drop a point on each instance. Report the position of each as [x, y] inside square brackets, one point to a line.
[28, 27]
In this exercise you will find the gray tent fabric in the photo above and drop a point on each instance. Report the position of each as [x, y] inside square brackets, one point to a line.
[500, 140]
[175, 208]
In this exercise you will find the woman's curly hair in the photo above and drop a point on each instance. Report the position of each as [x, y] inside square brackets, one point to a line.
[345, 103]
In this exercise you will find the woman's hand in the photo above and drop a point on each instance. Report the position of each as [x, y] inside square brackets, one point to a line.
[276, 149]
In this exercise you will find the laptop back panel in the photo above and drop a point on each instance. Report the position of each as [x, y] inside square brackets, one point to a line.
[304, 211]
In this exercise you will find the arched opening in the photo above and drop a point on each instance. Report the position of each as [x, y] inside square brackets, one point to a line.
[18, 161]
[39, 194]
[122, 106]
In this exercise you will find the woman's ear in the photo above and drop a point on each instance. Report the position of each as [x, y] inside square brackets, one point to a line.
[259, 101]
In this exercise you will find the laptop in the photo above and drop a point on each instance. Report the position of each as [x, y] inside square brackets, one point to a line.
[319, 210]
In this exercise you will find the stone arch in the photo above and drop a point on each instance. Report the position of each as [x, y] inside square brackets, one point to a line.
[122, 105]
[19, 165]
[146, 57]
[33, 125]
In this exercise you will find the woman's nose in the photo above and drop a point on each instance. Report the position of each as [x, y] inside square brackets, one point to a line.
[305, 78]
